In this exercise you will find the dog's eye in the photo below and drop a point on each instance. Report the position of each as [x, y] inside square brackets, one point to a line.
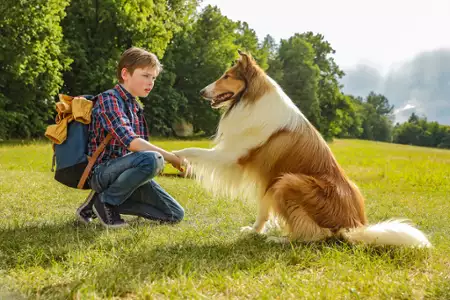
[226, 77]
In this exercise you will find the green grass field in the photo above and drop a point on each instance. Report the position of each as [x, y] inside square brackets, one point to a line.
[45, 254]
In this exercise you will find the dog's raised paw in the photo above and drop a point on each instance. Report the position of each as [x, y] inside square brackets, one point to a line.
[178, 152]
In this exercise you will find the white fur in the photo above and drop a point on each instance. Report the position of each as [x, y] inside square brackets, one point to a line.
[391, 232]
[248, 126]
[244, 128]
[210, 88]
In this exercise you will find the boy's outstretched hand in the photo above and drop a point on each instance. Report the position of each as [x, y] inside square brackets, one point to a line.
[177, 162]
[139, 144]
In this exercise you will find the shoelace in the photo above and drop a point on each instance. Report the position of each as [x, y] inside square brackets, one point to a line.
[109, 214]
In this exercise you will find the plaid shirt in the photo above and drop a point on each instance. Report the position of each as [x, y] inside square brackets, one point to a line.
[124, 122]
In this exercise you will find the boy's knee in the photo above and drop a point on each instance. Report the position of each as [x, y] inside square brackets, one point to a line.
[153, 162]
[176, 215]
[179, 214]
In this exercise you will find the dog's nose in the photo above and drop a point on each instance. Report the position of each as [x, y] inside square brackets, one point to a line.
[202, 92]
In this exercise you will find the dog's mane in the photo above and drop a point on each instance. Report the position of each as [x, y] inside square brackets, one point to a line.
[256, 82]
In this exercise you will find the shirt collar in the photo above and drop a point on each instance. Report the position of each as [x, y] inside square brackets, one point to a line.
[124, 93]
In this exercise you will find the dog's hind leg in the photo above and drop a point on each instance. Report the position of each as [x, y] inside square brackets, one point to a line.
[300, 227]
[310, 207]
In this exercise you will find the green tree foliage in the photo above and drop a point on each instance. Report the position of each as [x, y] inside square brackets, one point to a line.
[418, 131]
[376, 115]
[300, 76]
[347, 121]
[311, 78]
[72, 46]
[247, 40]
[197, 56]
[380, 103]
[98, 31]
[275, 69]
[31, 61]
[336, 110]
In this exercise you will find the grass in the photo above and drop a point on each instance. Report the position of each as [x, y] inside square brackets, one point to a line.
[45, 254]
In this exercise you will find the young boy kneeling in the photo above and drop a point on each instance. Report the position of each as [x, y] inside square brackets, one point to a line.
[122, 177]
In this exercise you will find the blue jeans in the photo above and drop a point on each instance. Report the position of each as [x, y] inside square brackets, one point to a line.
[126, 182]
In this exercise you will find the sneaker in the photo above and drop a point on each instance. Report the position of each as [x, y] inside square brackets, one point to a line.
[84, 212]
[107, 214]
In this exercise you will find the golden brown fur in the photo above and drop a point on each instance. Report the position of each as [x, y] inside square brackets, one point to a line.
[305, 180]
[235, 80]
[247, 70]
[267, 149]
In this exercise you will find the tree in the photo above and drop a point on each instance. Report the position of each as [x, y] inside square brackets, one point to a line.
[32, 58]
[414, 119]
[380, 103]
[418, 131]
[445, 141]
[408, 134]
[197, 56]
[247, 40]
[275, 66]
[336, 111]
[300, 76]
[377, 118]
[110, 27]
[350, 118]
[165, 105]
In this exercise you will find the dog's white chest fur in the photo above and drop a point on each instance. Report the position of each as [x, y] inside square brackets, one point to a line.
[250, 125]
[245, 127]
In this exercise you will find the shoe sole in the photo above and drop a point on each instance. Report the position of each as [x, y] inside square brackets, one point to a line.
[83, 220]
[107, 225]
[85, 203]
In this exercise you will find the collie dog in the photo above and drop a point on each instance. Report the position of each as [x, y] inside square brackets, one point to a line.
[265, 148]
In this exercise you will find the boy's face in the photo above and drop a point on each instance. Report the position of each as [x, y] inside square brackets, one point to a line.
[141, 82]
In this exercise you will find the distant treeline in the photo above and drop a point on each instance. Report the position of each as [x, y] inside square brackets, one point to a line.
[72, 47]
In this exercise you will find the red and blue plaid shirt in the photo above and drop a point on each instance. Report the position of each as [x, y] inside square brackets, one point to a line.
[124, 122]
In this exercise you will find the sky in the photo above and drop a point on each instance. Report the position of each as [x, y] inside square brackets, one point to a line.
[381, 33]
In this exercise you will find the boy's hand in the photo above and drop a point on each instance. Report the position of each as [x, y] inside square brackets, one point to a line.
[139, 144]
[177, 162]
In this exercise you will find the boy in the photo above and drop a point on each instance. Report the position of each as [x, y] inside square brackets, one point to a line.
[121, 179]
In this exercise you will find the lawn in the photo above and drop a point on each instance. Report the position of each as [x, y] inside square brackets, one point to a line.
[46, 254]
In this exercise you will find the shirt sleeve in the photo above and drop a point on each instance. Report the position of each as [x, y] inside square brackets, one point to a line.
[114, 119]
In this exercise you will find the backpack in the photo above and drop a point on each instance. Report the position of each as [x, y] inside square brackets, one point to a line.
[73, 165]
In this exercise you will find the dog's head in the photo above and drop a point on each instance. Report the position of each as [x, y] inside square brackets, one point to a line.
[234, 83]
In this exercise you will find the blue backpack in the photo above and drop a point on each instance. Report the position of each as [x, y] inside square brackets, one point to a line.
[73, 165]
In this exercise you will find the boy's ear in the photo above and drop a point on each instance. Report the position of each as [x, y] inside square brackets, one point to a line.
[125, 74]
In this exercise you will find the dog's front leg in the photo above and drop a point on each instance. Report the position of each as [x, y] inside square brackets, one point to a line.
[261, 218]
[210, 157]
[196, 154]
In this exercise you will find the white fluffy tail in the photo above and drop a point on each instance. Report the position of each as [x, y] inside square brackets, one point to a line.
[391, 232]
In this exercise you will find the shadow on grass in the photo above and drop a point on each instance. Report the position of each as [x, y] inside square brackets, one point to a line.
[249, 256]
[129, 267]
[41, 245]
[44, 244]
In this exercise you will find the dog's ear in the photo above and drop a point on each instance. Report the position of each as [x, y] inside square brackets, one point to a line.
[244, 58]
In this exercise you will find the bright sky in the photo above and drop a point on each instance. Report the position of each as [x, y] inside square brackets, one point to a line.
[379, 33]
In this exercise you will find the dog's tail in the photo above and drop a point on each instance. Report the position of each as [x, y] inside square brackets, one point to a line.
[391, 232]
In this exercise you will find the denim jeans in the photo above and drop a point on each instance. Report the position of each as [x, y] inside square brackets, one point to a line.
[127, 183]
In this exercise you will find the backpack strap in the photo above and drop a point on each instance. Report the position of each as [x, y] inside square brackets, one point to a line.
[93, 159]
